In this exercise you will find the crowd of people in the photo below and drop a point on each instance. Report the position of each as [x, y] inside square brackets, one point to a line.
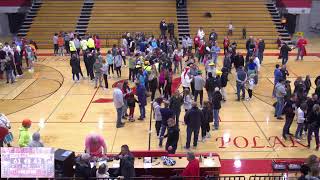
[13, 55]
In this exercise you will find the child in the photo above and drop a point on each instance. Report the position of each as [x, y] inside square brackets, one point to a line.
[131, 101]
[9, 70]
[300, 120]
[24, 135]
[109, 59]
[104, 70]
[97, 73]
[30, 56]
[75, 64]
[187, 101]
[157, 114]
[118, 64]
[61, 46]
[251, 84]
[205, 127]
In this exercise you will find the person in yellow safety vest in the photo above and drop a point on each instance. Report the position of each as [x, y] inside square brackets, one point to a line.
[90, 44]
[147, 66]
[72, 46]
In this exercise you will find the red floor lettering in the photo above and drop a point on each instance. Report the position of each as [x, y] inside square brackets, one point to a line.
[254, 139]
[235, 142]
[222, 142]
[276, 141]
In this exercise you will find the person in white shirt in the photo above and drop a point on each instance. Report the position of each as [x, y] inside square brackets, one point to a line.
[230, 29]
[301, 111]
[186, 79]
[118, 103]
[257, 62]
[201, 33]
[189, 44]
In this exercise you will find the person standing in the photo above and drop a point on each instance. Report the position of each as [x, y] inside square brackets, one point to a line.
[226, 43]
[172, 136]
[176, 102]
[199, 84]
[241, 80]
[210, 86]
[230, 29]
[216, 105]
[163, 28]
[90, 44]
[55, 44]
[261, 47]
[301, 112]
[314, 124]
[244, 33]
[118, 103]
[24, 134]
[284, 53]
[118, 64]
[215, 50]
[193, 119]
[77, 44]
[104, 70]
[301, 45]
[142, 98]
[166, 114]
[75, 64]
[280, 92]
[224, 81]
[157, 114]
[97, 73]
[201, 33]
[213, 37]
[66, 42]
[289, 111]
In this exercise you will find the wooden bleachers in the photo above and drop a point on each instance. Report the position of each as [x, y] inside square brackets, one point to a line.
[54, 16]
[111, 16]
[251, 14]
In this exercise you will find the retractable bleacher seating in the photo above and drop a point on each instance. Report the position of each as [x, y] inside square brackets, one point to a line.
[54, 16]
[111, 18]
[253, 14]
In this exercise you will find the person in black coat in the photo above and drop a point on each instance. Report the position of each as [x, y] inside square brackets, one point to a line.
[126, 169]
[171, 30]
[83, 168]
[284, 53]
[216, 105]
[289, 111]
[210, 86]
[205, 126]
[75, 64]
[193, 119]
[313, 121]
[238, 61]
[18, 62]
[163, 28]
[166, 113]
[224, 81]
[261, 47]
[176, 102]
[172, 136]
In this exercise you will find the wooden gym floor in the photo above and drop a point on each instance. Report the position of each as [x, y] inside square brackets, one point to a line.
[67, 112]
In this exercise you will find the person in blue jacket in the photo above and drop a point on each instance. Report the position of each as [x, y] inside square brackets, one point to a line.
[142, 98]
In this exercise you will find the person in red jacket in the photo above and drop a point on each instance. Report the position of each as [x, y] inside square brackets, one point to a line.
[301, 45]
[196, 41]
[193, 167]
[201, 50]
[226, 43]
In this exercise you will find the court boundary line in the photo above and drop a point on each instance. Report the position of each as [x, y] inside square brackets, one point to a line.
[85, 112]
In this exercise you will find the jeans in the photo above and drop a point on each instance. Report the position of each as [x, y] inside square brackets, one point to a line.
[279, 106]
[163, 129]
[260, 56]
[210, 95]
[312, 129]
[158, 126]
[124, 107]
[216, 118]
[299, 130]
[119, 115]
[177, 115]
[10, 77]
[287, 125]
[240, 87]
[142, 111]
[97, 79]
[196, 96]
[299, 54]
[215, 58]
[284, 60]
[195, 132]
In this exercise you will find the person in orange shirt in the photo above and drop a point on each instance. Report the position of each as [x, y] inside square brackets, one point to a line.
[61, 46]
